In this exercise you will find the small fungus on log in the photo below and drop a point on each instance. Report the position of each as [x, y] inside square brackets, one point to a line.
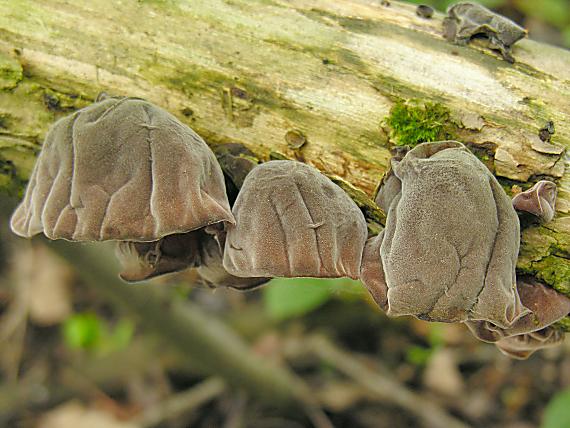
[467, 21]
[539, 200]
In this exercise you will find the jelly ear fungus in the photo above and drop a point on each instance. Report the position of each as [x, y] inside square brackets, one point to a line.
[539, 200]
[292, 221]
[449, 248]
[467, 21]
[123, 169]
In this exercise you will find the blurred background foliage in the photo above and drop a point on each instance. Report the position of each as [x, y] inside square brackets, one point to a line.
[61, 341]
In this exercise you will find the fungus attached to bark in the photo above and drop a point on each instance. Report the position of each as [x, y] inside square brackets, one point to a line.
[539, 200]
[546, 306]
[145, 260]
[451, 241]
[389, 188]
[523, 346]
[372, 272]
[123, 169]
[212, 271]
[547, 131]
[292, 221]
[467, 21]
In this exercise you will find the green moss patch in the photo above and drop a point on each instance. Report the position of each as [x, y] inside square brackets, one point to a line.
[555, 271]
[59, 101]
[11, 72]
[11, 183]
[414, 123]
[544, 254]
[563, 324]
[552, 270]
[17, 158]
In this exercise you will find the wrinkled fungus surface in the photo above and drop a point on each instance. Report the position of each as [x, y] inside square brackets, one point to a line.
[522, 346]
[122, 169]
[467, 21]
[539, 200]
[545, 305]
[212, 271]
[292, 221]
[450, 245]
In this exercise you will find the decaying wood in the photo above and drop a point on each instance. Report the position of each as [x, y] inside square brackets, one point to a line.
[308, 79]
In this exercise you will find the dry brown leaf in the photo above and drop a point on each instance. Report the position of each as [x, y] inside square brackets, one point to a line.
[74, 414]
[442, 374]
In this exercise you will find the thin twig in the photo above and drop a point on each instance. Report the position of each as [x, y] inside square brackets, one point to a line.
[213, 348]
[382, 386]
[13, 325]
[182, 403]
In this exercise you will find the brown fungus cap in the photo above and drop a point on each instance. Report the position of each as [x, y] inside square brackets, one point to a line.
[539, 200]
[122, 169]
[389, 188]
[451, 241]
[466, 21]
[146, 260]
[372, 271]
[546, 306]
[212, 271]
[292, 221]
[523, 346]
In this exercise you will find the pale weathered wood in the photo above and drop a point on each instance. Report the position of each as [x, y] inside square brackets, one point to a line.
[265, 72]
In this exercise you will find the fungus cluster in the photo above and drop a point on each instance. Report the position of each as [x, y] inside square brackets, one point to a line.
[449, 250]
[125, 170]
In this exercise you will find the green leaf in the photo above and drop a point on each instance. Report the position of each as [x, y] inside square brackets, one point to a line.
[557, 413]
[345, 288]
[418, 355]
[89, 332]
[292, 297]
[553, 12]
[566, 36]
[83, 331]
[287, 298]
[435, 335]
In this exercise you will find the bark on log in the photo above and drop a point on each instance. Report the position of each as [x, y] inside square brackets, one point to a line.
[273, 74]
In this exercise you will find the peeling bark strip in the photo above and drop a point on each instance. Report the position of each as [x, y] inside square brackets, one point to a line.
[253, 71]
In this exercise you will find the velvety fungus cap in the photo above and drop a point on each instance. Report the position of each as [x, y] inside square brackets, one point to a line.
[451, 241]
[539, 200]
[122, 169]
[292, 221]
